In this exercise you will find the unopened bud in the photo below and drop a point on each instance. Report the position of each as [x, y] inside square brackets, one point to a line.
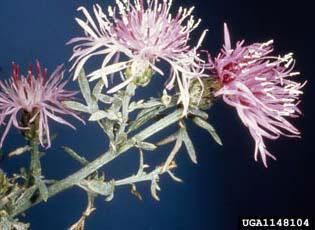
[202, 92]
[141, 73]
[30, 121]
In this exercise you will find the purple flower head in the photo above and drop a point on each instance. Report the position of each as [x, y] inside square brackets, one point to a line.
[134, 37]
[258, 86]
[34, 100]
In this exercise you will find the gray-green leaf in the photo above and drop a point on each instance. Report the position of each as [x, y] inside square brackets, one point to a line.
[144, 105]
[189, 146]
[98, 89]
[86, 92]
[205, 125]
[75, 155]
[145, 117]
[146, 146]
[105, 99]
[99, 115]
[98, 187]
[76, 106]
[199, 113]
[42, 187]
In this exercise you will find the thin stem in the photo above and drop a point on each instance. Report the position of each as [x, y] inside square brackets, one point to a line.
[78, 176]
[129, 93]
[36, 169]
[35, 165]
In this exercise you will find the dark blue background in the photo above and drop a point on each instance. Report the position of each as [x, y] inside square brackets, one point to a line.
[226, 183]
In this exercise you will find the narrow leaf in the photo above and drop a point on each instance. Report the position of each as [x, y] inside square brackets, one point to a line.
[19, 151]
[75, 155]
[199, 113]
[76, 106]
[105, 99]
[205, 125]
[86, 91]
[150, 115]
[98, 89]
[189, 146]
[135, 192]
[99, 115]
[154, 188]
[98, 187]
[144, 105]
[146, 146]
[167, 140]
[174, 151]
[85, 87]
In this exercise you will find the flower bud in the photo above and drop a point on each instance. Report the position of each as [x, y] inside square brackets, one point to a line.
[30, 124]
[142, 78]
[202, 92]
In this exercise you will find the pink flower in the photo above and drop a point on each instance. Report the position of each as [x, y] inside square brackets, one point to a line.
[137, 36]
[258, 86]
[36, 99]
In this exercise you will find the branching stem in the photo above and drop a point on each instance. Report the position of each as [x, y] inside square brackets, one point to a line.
[102, 160]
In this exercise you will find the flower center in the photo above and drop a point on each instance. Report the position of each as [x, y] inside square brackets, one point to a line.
[229, 69]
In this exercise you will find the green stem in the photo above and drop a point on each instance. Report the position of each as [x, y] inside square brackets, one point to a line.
[129, 93]
[35, 166]
[78, 176]
[36, 170]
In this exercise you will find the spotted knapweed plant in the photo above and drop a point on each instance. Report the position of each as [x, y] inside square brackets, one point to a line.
[136, 42]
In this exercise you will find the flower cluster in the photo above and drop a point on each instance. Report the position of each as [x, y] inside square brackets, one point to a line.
[34, 100]
[258, 86]
[135, 37]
